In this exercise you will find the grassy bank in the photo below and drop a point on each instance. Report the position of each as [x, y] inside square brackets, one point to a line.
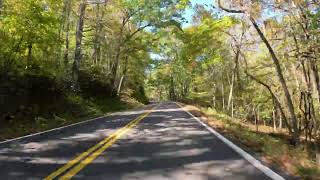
[75, 108]
[273, 147]
[38, 99]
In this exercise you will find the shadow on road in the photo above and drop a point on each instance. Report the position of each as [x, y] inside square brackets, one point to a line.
[168, 144]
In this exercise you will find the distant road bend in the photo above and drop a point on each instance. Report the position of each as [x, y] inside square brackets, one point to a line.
[161, 141]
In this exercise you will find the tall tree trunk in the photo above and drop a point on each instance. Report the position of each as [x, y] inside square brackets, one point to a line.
[66, 51]
[232, 110]
[316, 78]
[1, 6]
[231, 92]
[296, 132]
[222, 94]
[280, 122]
[29, 56]
[114, 67]
[274, 119]
[234, 71]
[256, 119]
[79, 34]
[96, 42]
[123, 76]
[317, 147]
[214, 102]
[172, 89]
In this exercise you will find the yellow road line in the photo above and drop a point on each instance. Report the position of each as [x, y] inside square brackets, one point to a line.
[94, 148]
[94, 155]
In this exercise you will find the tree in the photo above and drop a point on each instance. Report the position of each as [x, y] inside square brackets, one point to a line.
[296, 132]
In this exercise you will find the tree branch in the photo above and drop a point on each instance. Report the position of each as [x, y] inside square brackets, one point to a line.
[229, 10]
[136, 31]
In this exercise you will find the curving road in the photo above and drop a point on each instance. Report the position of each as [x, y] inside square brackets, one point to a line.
[161, 141]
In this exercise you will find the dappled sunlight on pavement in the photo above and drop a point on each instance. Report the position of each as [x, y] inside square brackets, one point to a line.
[167, 144]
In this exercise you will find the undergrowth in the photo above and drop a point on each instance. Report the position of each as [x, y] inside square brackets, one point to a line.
[273, 149]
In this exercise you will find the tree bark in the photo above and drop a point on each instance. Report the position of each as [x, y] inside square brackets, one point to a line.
[114, 67]
[256, 119]
[79, 34]
[315, 73]
[222, 94]
[274, 120]
[280, 122]
[98, 29]
[66, 51]
[232, 110]
[1, 6]
[123, 76]
[29, 57]
[233, 78]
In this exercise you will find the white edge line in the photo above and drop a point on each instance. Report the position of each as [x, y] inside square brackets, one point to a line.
[256, 163]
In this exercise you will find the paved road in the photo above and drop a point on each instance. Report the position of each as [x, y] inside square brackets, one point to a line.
[168, 143]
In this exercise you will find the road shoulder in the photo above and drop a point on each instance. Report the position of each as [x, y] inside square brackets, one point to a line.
[250, 155]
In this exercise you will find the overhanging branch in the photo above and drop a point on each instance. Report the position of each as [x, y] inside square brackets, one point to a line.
[229, 10]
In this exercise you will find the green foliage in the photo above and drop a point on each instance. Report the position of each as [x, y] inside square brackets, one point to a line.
[308, 173]
[40, 84]
[190, 53]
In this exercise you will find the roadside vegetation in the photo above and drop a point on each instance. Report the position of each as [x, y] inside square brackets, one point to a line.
[254, 62]
[253, 66]
[63, 61]
[272, 147]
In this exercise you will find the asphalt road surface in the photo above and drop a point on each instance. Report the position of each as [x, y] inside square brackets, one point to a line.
[161, 141]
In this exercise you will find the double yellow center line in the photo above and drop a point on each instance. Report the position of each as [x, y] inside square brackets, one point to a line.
[91, 154]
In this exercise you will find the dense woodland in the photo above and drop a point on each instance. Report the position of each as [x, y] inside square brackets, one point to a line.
[252, 60]
[237, 60]
[68, 58]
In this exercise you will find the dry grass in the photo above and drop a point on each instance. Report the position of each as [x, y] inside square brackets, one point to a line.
[272, 146]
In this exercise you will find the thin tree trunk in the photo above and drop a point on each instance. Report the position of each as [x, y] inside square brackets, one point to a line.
[222, 94]
[66, 51]
[79, 35]
[317, 147]
[114, 67]
[123, 76]
[256, 120]
[274, 120]
[232, 113]
[29, 56]
[296, 132]
[231, 91]
[315, 73]
[234, 72]
[96, 41]
[1, 6]
[172, 90]
[280, 122]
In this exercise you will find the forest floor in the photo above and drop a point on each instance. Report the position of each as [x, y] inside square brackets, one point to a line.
[273, 148]
[75, 109]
